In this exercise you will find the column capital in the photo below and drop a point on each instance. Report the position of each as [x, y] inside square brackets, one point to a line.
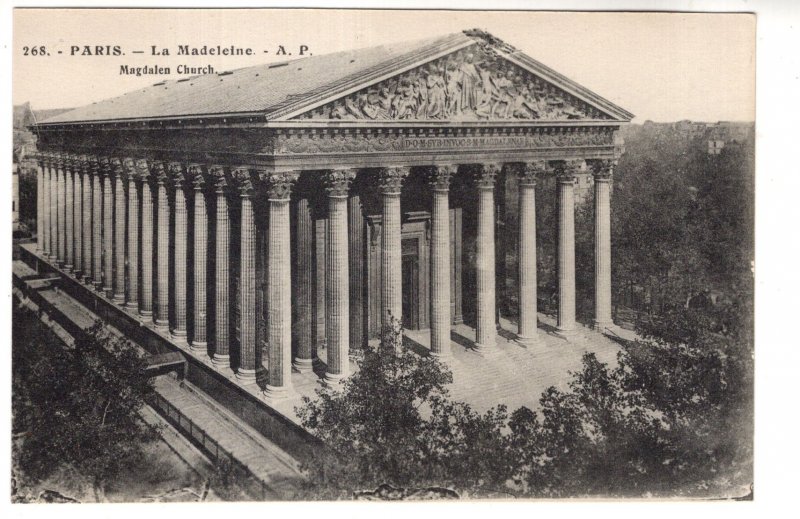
[279, 183]
[142, 169]
[390, 180]
[91, 164]
[486, 174]
[337, 181]
[158, 173]
[177, 175]
[216, 174]
[603, 170]
[196, 175]
[529, 171]
[566, 170]
[115, 166]
[439, 176]
[72, 163]
[243, 181]
[129, 170]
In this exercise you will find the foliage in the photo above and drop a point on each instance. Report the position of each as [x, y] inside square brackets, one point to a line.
[78, 407]
[392, 423]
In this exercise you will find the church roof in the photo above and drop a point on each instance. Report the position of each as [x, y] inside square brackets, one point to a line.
[276, 89]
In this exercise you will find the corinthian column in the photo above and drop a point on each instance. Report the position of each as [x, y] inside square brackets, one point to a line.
[602, 244]
[86, 220]
[52, 204]
[440, 260]
[222, 270]
[134, 219]
[69, 215]
[108, 228]
[119, 235]
[43, 226]
[199, 311]
[356, 254]
[486, 329]
[279, 285]
[77, 215]
[390, 183]
[146, 300]
[248, 361]
[527, 333]
[162, 248]
[97, 224]
[337, 307]
[62, 213]
[178, 176]
[565, 175]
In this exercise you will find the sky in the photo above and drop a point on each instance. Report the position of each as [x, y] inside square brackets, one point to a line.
[659, 66]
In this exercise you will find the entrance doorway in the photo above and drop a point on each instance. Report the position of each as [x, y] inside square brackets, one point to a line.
[411, 284]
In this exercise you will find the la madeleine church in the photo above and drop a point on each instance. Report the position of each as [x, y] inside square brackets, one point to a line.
[268, 221]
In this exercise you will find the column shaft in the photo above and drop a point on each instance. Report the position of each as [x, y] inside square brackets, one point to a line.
[146, 300]
[566, 253]
[304, 287]
[108, 235]
[86, 223]
[162, 257]
[199, 306]
[62, 215]
[39, 208]
[222, 275]
[391, 180]
[134, 220]
[440, 270]
[356, 254]
[527, 300]
[119, 240]
[247, 294]
[486, 328]
[97, 230]
[337, 308]
[181, 243]
[69, 203]
[77, 218]
[45, 229]
[602, 248]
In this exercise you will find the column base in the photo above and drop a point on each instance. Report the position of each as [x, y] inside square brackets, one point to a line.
[484, 349]
[118, 299]
[443, 356]
[108, 292]
[246, 376]
[528, 341]
[198, 345]
[68, 268]
[162, 324]
[601, 326]
[145, 313]
[221, 361]
[275, 393]
[178, 335]
[97, 285]
[333, 380]
[132, 305]
[304, 365]
[568, 334]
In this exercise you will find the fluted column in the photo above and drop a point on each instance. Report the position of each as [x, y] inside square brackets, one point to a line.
[356, 258]
[527, 333]
[39, 208]
[146, 299]
[44, 207]
[119, 235]
[222, 245]
[247, 279]
[304, 293]
[199, 340]
[162, 249]
[390, 184]
[52, 205]
[62, 214]
[69, 215]
[178, 177]
[337, 308]
[440, 259]
[486, 329]
[108, 228]
[565, 176]
[134, 220]
[86, 220]
[77, 216]
[602, 244]
[279, 285]
[97, 224]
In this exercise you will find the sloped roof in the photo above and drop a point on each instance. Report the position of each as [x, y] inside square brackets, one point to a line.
[278, 88]
[261, 88]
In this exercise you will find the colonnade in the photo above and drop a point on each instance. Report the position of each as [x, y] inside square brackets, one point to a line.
[126, 227]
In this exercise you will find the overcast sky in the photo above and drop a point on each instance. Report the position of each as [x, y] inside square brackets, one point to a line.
[663, 67]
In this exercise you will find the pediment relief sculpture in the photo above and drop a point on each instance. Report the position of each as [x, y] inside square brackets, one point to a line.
[472, 84]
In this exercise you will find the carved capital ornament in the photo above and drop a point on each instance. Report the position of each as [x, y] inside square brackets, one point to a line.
[337, 181]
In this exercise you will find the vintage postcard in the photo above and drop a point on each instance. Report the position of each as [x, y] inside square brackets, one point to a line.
[396, 255]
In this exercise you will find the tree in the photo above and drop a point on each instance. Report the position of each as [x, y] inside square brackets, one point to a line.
[79, 407]
[393, 423]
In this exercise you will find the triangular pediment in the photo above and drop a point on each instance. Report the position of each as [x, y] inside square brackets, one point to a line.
[482, 81]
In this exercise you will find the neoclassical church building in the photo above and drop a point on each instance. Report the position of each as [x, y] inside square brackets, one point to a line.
[293, 208]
